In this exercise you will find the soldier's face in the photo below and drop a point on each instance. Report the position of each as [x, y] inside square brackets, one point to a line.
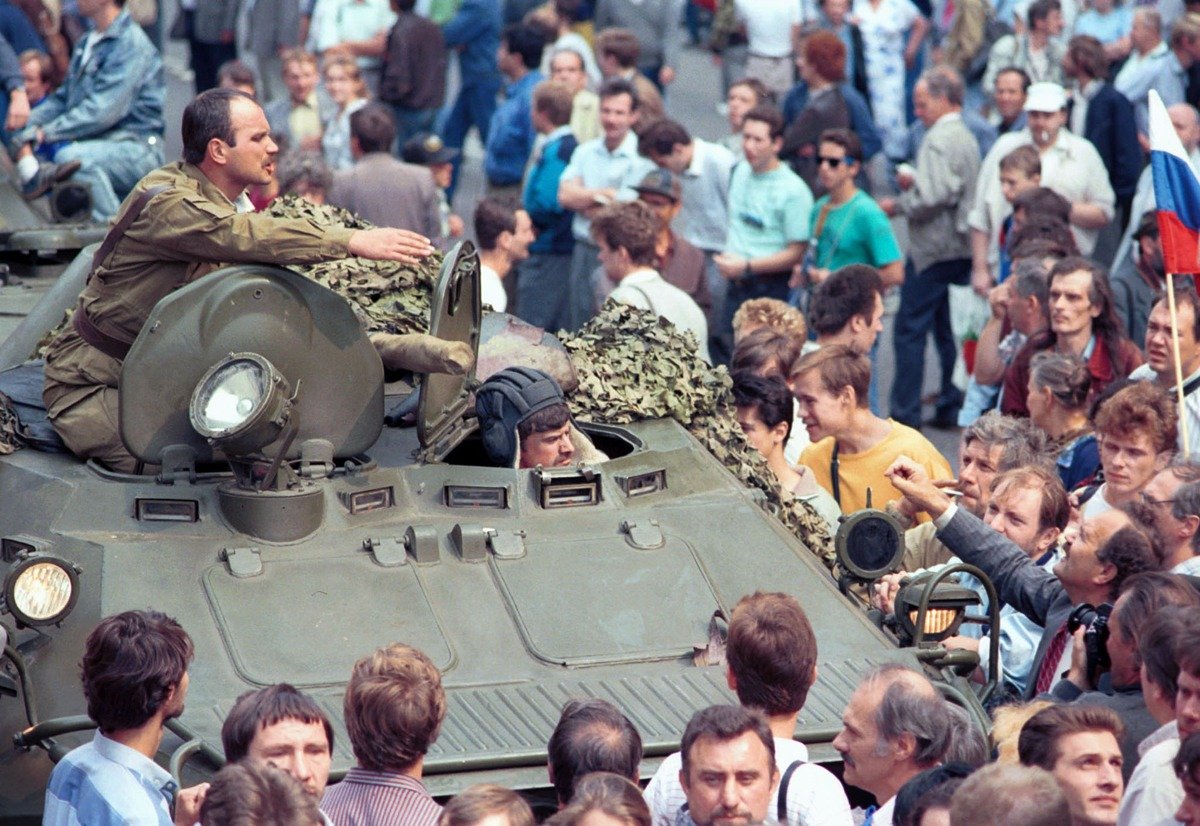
[250, 159]
[550, 448]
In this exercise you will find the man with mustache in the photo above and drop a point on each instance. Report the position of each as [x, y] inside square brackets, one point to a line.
[895, 726]
[728, 768]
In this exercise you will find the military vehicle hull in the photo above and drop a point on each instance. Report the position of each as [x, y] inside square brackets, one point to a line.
[571, 604]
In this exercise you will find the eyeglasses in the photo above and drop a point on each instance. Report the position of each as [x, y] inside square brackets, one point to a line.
[1155, 503]
[832, 162]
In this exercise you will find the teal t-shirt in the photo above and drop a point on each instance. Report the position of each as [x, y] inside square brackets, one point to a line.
[767, 211]
[857, 232]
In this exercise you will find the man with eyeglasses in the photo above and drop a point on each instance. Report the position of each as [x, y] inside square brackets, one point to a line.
[1160, 357]
[935, 200]
[1171, 503]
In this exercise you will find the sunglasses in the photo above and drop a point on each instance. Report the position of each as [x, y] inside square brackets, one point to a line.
[832, 162]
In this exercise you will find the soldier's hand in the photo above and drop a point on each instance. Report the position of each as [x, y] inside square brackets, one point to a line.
[385, 243]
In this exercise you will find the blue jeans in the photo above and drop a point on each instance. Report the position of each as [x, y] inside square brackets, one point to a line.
[473, 107]
[411, 122]
[925, 309]
[111, 169]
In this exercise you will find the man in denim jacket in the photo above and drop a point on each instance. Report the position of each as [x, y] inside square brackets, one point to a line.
[109, 112]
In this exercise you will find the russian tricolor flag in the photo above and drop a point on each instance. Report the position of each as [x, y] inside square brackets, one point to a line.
[1176, 191]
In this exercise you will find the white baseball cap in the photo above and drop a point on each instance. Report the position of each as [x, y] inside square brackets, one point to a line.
[1045, 97]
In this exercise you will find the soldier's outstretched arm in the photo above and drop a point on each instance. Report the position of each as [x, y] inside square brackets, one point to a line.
[390, 244]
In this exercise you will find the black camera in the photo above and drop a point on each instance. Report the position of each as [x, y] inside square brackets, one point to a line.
[1094, 620]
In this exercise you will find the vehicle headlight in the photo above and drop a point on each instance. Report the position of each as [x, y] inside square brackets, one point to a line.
[240, 404]
[946, 604]
[41, 590]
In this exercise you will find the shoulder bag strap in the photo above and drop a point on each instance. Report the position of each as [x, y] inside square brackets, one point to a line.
[122, 226]
[781, 804]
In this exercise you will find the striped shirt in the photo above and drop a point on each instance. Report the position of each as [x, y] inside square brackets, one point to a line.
[368, 797]
[105, 783]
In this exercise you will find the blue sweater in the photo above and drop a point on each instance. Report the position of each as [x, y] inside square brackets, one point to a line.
[552, 222]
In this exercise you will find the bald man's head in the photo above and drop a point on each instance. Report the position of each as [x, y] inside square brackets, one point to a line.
[1186, 121]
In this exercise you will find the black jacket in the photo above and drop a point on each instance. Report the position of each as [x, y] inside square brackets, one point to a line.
[1110, 127]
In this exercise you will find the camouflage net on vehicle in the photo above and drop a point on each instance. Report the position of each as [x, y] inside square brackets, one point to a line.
[635, 365]
[632, 365]
[389, 297]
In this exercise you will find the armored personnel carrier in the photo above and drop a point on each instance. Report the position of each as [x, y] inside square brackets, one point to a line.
[291, 532]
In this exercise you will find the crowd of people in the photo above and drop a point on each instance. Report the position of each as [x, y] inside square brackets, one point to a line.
[940, 149]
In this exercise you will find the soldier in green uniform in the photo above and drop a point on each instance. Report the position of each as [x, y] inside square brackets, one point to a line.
[181, 222]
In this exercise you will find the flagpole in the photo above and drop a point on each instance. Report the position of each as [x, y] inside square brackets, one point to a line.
[1183, 418]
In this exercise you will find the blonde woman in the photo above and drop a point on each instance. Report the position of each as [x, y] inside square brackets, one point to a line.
[344, 83]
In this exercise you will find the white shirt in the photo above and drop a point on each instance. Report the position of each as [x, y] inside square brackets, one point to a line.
[647, 290]
[884, 814]
[1153, 793]
[769, 25]
[704, 196]
[491, 288]
[1097, 504]
[814, 795]
[1071, 167]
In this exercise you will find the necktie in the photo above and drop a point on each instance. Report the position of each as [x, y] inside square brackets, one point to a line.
[871, 810]
[1054, 653]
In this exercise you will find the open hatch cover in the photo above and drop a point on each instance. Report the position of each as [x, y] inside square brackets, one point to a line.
[454, 315]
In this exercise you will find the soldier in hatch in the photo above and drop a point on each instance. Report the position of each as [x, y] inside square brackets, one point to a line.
[525, 422]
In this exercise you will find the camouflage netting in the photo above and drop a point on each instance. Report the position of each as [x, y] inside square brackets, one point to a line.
[635, 365]
[393, 297]
[632, 365]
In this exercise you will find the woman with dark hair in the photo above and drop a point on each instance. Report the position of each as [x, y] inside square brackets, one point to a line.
[822, 64]
[1059, 386]
[764, 410]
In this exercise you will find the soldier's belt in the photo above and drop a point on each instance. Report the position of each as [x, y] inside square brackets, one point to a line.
[102, 341]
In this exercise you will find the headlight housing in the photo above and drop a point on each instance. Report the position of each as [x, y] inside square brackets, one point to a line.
[240, 404]
[41, 589]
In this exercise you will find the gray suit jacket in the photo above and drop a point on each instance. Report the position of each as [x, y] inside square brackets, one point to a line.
[271, 25]
[938, 203]
[1019, 581]
[389, 193]
[213, 17]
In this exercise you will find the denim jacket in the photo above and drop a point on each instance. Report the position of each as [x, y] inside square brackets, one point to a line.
[511, 134]
[475, 32]
[118, 93]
